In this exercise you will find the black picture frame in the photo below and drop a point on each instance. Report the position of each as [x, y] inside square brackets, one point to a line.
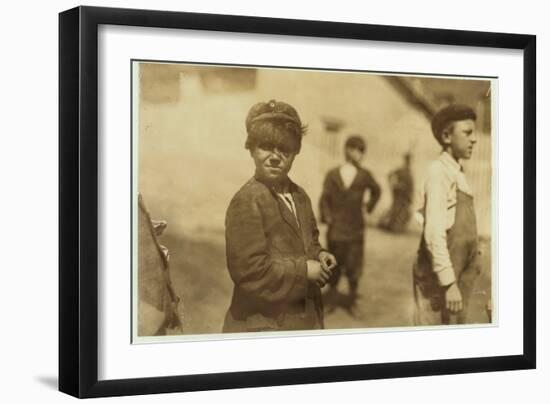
[78, 200]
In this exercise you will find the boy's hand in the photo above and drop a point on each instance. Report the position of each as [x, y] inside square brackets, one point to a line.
[328, 261]
[159, 226]
[316, 274]
[453, 299]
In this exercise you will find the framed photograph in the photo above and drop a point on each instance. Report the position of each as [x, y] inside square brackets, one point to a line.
[251, 201]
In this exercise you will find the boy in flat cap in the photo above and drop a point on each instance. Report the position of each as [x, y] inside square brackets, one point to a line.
[272, 246]
[342, 206]
[447, 265]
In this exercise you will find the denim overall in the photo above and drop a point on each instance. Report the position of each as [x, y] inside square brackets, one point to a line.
[429, 296]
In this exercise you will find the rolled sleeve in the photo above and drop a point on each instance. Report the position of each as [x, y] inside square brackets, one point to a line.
[435, 231]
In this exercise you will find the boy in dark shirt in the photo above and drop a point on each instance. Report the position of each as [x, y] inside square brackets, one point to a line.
[341, 205]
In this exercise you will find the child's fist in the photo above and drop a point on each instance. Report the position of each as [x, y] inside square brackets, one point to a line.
[316, 274]
[453, 299]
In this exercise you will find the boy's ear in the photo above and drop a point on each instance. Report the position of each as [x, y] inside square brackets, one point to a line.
[446, 136]
[447, 132]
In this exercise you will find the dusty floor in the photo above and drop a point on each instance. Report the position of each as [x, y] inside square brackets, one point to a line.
[200, 276]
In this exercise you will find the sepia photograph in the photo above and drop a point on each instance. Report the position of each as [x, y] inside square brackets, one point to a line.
[271, 201]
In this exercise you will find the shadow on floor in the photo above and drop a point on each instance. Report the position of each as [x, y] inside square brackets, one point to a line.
[49, 381]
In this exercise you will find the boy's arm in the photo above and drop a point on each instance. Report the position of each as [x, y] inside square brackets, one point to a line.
[324, 204]
[435, 231]
[314, 250]
[375, 192]
[315, 247]
[272, 279]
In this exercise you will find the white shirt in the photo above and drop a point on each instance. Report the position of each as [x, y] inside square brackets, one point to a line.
[445, 177]
[348, 172]
[289, 202]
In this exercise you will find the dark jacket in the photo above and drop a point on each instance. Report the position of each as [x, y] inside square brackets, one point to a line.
[266, 257]
[342, 209]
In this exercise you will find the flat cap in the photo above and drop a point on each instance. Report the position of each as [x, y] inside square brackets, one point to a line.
[272, 110]
[451, 113]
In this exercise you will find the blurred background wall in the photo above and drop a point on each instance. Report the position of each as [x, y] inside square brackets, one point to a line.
[191, 132]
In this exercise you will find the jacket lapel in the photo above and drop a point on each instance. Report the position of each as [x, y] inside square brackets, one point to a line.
[356, 178]
[287, 215]
[340, 181]
[337, 178]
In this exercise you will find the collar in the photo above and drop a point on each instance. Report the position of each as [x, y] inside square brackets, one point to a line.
[292, 187]
[349, 165]
[450, 162]
[348, 169]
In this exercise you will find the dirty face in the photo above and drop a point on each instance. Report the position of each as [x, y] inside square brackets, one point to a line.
[459, 139]
[273, 159]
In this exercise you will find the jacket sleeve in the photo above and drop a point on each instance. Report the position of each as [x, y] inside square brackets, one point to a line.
[324, 202]
[375, 192]
[268, 278]
[314, 248]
